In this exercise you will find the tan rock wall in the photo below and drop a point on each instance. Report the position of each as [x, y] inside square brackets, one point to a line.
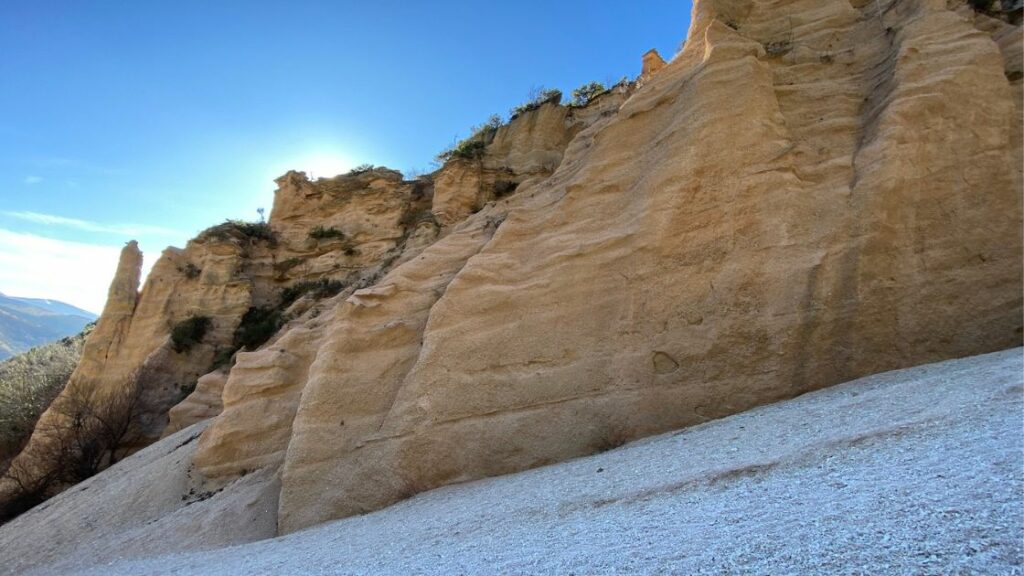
[812, 190]
[259, 401]
[221, 276]
[359, 378]
[808, 193]
[532, 142]
[202, 404]
[530, 146]
[460, 189]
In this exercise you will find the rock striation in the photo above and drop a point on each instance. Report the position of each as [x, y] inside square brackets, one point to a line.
[809, 192]
[766, 216]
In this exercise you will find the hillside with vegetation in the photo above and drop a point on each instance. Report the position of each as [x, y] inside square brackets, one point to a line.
[28, 384]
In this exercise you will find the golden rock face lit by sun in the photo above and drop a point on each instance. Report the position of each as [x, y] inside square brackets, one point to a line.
[808, 192]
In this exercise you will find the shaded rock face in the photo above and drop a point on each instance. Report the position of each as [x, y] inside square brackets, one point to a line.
[807, 193]
[203, 403]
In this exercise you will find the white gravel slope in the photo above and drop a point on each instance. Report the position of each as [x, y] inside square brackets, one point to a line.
[911, 472]
[143, 506]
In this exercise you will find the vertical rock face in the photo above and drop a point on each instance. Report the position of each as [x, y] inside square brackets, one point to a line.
[202, 404]
[809, 192]
[529, 147]
[652, 62]
[124, 288]
[113, 325]
[106, 355]
[461, 188]
[359, 380]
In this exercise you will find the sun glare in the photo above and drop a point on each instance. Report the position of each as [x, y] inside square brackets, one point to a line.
[324, 165]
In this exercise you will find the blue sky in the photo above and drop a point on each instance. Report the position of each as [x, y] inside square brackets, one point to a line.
[154, 120]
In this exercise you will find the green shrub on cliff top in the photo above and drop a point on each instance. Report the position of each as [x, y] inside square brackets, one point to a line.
[586, 93]
[467, 149]
[240, 230]
[538, 97]
[474, 146]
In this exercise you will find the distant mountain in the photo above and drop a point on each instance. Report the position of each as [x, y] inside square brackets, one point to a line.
[30, 322]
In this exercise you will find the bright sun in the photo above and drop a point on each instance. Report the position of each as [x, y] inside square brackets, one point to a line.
[324, 165]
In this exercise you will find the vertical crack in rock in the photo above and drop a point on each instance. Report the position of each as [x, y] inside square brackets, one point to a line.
[490, 228]
[359, 374]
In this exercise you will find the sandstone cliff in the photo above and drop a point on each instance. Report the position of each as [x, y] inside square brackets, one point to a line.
[810, 191]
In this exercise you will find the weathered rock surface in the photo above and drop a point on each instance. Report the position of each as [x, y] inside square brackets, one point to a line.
[809, 192]
[260, 398]
[652, 63]
[230, 270]
[203, 403]
[529, 147]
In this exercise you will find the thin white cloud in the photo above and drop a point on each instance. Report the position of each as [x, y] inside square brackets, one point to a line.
[73, 272]
[75, 164]
[88, 226]
[30, 180]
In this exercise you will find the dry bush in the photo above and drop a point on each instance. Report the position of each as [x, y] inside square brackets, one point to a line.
[324, 233]
[84, 432]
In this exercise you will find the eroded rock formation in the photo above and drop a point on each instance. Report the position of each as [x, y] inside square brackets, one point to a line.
[768, 215]
[810, 191]
[652, 62]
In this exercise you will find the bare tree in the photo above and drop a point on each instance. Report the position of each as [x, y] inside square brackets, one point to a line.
[86, 431]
